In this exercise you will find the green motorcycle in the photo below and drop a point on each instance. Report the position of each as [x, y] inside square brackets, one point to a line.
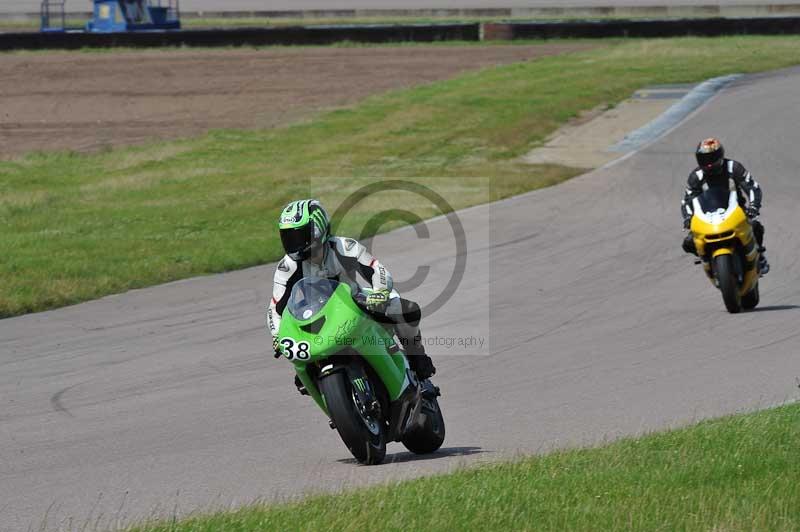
[357, 373]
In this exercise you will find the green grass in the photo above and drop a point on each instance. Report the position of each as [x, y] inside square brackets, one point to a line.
[77, 226]
[735, 473]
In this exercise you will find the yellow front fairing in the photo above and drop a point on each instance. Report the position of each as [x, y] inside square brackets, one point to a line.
[732, 234]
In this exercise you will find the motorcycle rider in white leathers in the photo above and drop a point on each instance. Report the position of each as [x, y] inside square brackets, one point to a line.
[311, 251]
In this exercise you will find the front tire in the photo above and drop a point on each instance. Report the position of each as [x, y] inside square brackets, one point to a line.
[727, 282]
[365, 437]
[751, 299]
[430, 436]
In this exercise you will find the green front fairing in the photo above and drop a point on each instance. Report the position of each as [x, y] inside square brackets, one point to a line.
[346, 327]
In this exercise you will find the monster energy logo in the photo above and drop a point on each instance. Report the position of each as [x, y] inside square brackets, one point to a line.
[319, 220]
[359, 383]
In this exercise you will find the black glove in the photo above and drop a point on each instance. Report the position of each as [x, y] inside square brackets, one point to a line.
[276, 348]
[687, 222]
[752, 213]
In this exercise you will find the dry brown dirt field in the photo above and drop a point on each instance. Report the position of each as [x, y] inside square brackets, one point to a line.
[88, 101]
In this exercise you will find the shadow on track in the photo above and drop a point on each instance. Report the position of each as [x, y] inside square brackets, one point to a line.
[775, 307]
[402, 457]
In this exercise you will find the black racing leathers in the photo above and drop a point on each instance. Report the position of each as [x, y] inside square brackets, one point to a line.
[732, 174]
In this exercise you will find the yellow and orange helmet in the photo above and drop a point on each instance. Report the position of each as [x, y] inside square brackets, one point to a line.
[710, 154]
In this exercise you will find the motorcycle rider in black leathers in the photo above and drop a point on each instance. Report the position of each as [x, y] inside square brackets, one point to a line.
[714, 170]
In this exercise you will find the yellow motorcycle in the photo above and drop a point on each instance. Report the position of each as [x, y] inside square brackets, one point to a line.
[726, 244]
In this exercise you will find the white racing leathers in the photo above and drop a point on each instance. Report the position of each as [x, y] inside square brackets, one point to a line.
[343, 259]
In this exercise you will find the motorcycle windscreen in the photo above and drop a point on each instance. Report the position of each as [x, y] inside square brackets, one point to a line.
[714, 198]
[715, 204]
[309, 296]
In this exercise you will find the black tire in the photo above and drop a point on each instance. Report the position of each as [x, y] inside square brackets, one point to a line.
[750, 299]
[728, 284]
[430, 436]
[366, 446]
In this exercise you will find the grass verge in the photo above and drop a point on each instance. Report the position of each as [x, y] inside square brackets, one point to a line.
[77, 226]
[735, 473]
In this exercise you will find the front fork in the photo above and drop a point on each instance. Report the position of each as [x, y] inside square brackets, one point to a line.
[737, 265]
[311, 387]
[403, 413]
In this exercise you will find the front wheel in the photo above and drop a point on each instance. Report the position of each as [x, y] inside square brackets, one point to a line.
[430, 436]
[751, 299]
[728, 283]
[361, 431]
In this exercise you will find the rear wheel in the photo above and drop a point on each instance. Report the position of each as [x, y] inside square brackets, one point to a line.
[359, 426]
[430, 435]
[728, 284]
[750, 299]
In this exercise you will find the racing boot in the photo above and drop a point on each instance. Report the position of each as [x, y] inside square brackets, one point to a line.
[420, 362]
[758, 231]
[688, 245]
[763, 265]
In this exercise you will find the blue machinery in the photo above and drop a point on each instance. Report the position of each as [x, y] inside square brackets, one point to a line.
[111, 16]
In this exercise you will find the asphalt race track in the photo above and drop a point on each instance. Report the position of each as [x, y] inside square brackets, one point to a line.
[165, 399]
[32, 6]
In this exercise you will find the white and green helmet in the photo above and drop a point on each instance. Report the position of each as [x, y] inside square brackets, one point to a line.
[304, 226]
